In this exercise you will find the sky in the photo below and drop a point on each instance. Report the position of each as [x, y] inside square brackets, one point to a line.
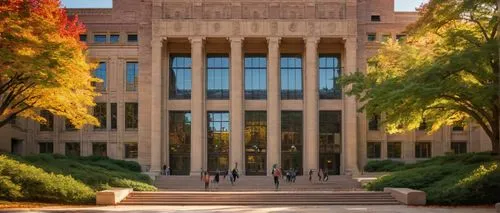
[401, 5]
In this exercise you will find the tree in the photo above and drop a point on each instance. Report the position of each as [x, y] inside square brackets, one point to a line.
[446, 72]
[43, 65]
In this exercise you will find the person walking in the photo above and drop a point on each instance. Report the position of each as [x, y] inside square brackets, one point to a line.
[276, 175]
[202, 174]
[310, 175]
[206, 179]
[320, 172]
[325, 175]
[234, 174]
[164, 169]
[216, 179]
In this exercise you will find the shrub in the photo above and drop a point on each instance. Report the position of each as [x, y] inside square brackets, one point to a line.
[449, 180]
[25, 182]
[383, 166]
[137, 186]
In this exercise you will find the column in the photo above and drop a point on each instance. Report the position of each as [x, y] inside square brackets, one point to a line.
[350, 134]
[157, 45]
[198, 116]
[273, 104]
[311, 105]
[237, 98]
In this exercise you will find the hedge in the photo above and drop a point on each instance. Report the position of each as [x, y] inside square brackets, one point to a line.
[469, 179]
[61, 179]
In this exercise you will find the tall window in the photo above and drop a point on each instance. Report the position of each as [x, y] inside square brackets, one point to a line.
[114, 116]
[330, 144]
[46, 147]
[100, 73]
[373, 124]
[393, 149]
[459, 147]
[100, 113]
[255, 142]
[218, 140]
[255, 77]
[291, 140]
[131, 150]
[217, 77]
[180, 77]
[99, 149]
[132, 76]
[72, 149]
[180, 142]
[373, 149]
[49, 124]
[131, 115]
[291, 77]
[329, 72]
[423, 150]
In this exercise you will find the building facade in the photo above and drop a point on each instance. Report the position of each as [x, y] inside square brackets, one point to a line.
[218, 84]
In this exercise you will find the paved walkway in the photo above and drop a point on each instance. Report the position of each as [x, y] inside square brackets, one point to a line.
[266, 209]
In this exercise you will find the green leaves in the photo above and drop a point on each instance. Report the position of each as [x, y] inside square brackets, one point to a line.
[446, 72]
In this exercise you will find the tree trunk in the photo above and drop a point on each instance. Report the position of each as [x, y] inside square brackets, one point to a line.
[495, 142]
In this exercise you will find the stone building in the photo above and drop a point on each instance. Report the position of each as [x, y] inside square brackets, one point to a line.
[213, 83]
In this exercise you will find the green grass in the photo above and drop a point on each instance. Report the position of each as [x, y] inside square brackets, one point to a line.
[467, 179]
[56, 178]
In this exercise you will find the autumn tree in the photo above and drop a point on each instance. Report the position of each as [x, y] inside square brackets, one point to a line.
[445, 73]
[43, 65]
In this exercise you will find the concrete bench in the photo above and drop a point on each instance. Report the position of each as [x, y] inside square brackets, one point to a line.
[407, 196]
[112, 196]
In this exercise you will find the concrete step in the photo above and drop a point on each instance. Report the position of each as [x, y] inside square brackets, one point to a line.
[259, 198]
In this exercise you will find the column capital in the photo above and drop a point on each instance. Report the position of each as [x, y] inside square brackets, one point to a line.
[236, 39]
[158, 40]
[349, 41]
[312, 40]
[196, 39]
[273, 40]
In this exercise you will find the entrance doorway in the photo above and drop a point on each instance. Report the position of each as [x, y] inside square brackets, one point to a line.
[330, 144]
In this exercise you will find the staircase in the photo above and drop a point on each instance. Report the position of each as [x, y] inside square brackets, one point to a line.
[259, 198]
[257, 183]
[259, 190]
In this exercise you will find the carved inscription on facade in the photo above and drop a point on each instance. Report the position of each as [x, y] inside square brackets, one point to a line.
[177, 10]
[330, 10]
[254, 11]
[216, 11]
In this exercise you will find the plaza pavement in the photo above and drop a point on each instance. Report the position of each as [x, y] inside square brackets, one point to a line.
[264, 209]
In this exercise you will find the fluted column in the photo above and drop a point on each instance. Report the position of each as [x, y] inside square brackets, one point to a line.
[273, 104]
[350, 113]
[157, 45]
[198, 116]
[311, 104]
[237, 112]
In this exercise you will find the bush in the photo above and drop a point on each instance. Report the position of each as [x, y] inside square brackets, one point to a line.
[383, 166]
[57, 178]
[449, 180]
[93, 171]
[24, 182]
